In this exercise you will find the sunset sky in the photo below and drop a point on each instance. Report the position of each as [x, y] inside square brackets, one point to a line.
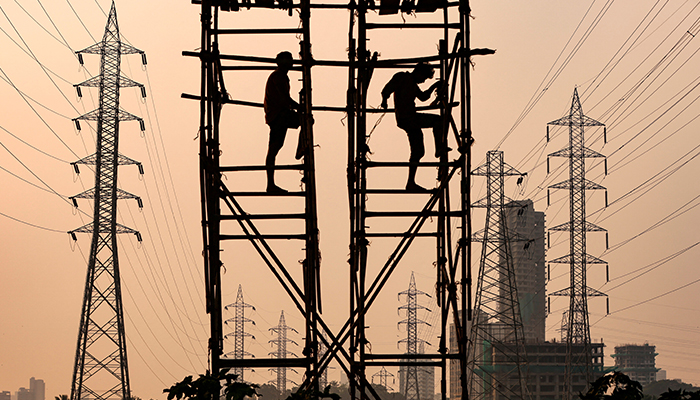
[634, 64]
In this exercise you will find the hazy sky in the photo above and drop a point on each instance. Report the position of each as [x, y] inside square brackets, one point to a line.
[634, 65]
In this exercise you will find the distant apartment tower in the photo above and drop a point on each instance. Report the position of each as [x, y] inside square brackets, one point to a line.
[36, 391]
[23, 394]
[5, 395]
[37, 388]
[637, 361]
[527, 225]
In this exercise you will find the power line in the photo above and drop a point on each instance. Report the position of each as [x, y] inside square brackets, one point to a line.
[34, 147]
[657, 297]
[31, 224]
[652, 266]
[539, 93]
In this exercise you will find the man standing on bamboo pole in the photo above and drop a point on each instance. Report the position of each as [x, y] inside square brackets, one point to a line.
[404, 86]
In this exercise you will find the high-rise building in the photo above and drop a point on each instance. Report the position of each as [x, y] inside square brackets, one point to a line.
[528, 253]
[637, 361]
[37, 388]
[23, 394]
[5, 395]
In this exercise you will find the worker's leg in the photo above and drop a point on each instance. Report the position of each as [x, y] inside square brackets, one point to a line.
[415, 141]
[434, 122]
[278, 132]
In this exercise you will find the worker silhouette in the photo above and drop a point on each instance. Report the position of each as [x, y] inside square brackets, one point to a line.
[280, 114]
[404, 86]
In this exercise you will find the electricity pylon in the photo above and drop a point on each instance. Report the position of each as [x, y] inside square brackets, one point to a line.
[497, 344]
[281, 342]
[576, 329]
[322, 349]
[101, 368]
[239, 334]
[411, 388]
[384, 376]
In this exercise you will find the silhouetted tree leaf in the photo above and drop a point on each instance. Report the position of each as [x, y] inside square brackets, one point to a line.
[623, 388]
[209, 387]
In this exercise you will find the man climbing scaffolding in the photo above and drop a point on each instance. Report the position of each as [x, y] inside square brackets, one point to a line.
[280, 114]
[404, 86]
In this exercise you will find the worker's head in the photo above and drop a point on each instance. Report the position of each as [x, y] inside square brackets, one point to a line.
[422, 72]
[284, 60]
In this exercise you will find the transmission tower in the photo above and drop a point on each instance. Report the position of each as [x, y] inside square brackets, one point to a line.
[383, 376]
[239, 334]
[322, 349]
[576, 329]
[281, 342]
[101, 369]
[497, 343]
[409, 380]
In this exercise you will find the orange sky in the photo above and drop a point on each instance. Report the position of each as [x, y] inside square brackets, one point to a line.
[43, 272]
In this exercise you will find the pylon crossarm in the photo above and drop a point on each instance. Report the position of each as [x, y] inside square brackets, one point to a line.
[587, 185]
[126, 82]
[128, 49]
[590, 292]
[92, 82]
[92, 49]
[589, 227]
[125, 116]
[582, 121]
[569, 259]
[91, 116]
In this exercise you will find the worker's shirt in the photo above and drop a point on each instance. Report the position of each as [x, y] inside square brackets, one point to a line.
[405, 90]
[277, 97]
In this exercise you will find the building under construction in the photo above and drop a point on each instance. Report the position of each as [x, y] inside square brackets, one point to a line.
[637, 361]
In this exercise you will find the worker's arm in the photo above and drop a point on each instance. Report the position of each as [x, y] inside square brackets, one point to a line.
[389, 88]
[425, 95]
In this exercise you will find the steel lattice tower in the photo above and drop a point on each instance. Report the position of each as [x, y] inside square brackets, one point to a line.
[411, 387]
[322, 349]
[281, 342]
[383, 375]
[101, 368]
[497, 342]
[239, 334]
[577, 332]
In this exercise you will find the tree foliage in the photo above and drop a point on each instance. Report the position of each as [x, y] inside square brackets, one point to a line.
[209, 387]
[680, 394]
[311, 394]
[614, 386]
[655, 389]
